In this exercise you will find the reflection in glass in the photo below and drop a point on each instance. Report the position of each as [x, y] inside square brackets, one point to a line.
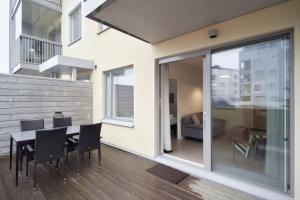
[250, 91]
[119, 94]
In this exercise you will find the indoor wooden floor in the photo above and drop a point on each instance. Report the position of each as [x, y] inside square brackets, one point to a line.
[122, 176]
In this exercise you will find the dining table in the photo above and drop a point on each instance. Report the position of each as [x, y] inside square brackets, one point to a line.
[23, 138]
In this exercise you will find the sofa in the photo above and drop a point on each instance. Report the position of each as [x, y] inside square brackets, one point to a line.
[191, 130]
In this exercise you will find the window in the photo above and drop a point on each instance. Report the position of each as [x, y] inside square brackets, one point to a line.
[102, 27]
[75, 25]
[258, 87]
[119, 94]
[262, 108]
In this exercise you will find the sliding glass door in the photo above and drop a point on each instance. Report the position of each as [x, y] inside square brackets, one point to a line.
[250, 123]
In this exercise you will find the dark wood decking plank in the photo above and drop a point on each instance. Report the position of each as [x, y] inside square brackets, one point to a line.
[122, 176]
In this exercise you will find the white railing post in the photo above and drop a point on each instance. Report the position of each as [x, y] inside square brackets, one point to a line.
[36, 50]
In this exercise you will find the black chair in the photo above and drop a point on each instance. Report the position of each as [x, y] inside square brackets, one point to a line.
[49, 145]
[58, 115]
[89, 139]
[62, 122]
[59, 122]
[29, 125]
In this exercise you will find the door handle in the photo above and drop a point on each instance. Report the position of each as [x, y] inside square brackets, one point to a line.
[204, 119]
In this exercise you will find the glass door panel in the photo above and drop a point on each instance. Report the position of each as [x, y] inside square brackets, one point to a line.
[250, 121]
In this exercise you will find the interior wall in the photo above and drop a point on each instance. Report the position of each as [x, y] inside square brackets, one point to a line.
[190, 81]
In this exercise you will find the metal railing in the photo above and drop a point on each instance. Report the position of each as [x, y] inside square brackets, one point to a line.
[33, 50]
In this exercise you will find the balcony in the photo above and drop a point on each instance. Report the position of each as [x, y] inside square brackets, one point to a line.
[33, 51]
[54, 4]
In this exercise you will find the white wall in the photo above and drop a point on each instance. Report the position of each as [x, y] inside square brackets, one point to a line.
[190, 81]
[4, 36]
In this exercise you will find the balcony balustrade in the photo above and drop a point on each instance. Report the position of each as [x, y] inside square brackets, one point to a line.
[32, 50]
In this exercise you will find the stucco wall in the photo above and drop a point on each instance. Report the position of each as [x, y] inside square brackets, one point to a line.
[113, 49]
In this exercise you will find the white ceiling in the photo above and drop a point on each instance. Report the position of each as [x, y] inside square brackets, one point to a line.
[158, 20]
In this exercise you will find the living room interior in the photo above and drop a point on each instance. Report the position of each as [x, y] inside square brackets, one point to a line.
[186, 107]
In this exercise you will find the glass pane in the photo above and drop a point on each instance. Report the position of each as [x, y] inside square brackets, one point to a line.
[250, 112]
[122, 93]
[75, 20]
[108, 96]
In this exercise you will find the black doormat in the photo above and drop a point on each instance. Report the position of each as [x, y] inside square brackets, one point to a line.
[167, 173]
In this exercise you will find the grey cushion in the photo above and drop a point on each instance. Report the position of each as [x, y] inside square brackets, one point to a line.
[188, 118]
[196, 119]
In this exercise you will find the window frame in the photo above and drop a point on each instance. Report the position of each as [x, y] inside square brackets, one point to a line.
[71, 13]
[108, 116]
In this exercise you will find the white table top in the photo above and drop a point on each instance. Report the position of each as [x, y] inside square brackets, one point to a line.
[30, 135]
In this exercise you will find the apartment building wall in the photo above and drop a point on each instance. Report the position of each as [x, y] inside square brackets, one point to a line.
[113, 49]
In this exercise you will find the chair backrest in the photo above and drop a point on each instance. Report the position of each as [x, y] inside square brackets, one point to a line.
[50, 144]
[89, 137]
[58, 115]
[29, 125]
[62, 122]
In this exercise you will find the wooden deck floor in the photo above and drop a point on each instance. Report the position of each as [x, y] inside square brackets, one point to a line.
[122, 176]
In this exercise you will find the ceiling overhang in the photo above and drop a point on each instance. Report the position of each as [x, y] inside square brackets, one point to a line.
[156, 20]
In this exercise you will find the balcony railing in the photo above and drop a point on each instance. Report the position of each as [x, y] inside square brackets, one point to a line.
[33, 50]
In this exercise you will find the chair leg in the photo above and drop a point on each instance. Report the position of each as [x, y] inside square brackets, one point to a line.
[57, 163]
[78, 164]
[27, 163]
[64, 170]
[233, 153]
[67, 158]
[34, 182]
[99, 157]
[21, 158]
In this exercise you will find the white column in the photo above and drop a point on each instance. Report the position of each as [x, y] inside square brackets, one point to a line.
[74, 74]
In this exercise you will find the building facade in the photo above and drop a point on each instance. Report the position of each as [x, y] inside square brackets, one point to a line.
[35, 42]
[127, 69]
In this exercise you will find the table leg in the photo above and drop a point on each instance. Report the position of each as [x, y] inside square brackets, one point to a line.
[17, 162]
[10, 152]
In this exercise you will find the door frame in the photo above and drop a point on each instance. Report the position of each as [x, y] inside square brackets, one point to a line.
[234, 182]
[206, 102]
